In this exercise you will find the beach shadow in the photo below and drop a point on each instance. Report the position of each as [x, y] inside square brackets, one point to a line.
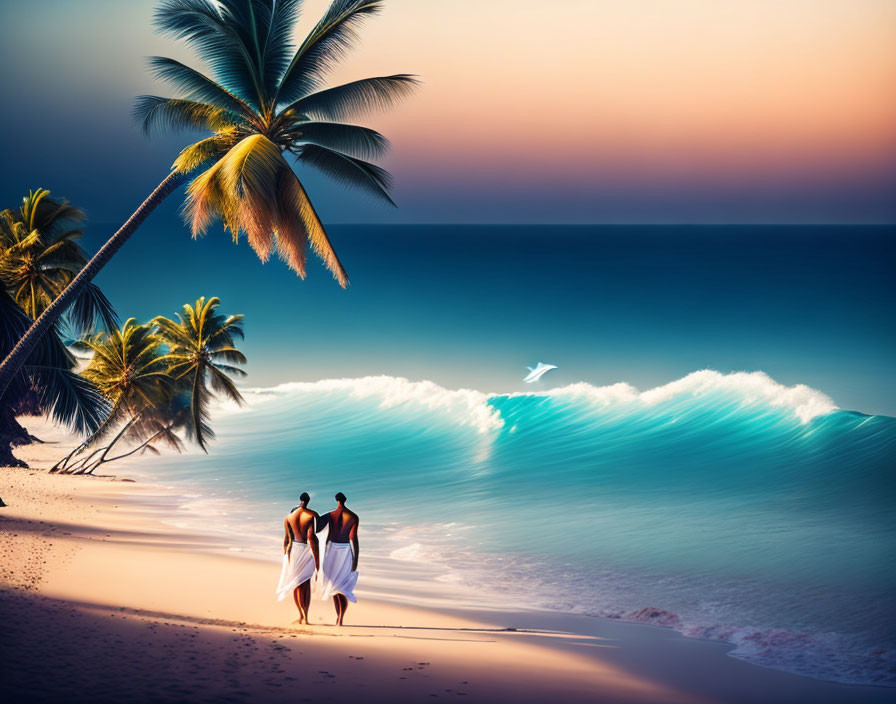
[77, 531]
[352, 630]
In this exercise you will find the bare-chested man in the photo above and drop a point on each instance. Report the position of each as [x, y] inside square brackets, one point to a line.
[300, 556]
[340, 570]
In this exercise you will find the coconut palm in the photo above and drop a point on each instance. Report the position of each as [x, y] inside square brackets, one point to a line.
[202, 354]
[152, 426]
[264, 101]
[159, 379]
[47, 383]
[127, 369]
[40, 255]
[157, 426]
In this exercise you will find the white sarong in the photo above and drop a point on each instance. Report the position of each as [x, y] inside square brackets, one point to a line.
[337, 577]
[298, 567]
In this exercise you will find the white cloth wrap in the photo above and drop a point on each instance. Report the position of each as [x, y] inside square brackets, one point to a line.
[298, 567]
[338, 577]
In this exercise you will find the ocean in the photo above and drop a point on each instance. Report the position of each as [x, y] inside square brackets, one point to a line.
[738, 497]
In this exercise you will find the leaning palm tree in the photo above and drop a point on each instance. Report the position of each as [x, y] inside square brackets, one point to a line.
[202, 355]
[127, 369]
[152, 426]
[263, 102]
[40, 255]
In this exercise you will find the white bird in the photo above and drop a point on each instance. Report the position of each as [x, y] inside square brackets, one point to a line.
[538, 372]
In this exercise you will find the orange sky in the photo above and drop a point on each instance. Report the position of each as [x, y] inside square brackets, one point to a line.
[716, 85]
[571, 110]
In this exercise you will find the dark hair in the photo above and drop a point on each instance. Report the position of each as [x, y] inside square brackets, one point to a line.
[304, 497]
[340, 497]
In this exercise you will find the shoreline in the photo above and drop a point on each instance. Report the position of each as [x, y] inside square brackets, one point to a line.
[61, 532]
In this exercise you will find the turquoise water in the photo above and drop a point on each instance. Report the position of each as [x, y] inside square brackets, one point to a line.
[732, 506]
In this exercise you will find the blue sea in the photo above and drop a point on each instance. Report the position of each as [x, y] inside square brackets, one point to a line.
[715, 452]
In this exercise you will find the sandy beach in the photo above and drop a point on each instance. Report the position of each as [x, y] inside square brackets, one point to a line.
[102, 599]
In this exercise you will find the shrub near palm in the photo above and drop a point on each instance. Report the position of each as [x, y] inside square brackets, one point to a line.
[263, 102]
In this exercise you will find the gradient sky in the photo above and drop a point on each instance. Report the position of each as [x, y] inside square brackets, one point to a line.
[576, 111]
[571, 111]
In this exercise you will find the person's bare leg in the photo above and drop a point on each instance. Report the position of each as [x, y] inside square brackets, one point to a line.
[343, 602]
[337, 603]
[295, 596]
[305, 597]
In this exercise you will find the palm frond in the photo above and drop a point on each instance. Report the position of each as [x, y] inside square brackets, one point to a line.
[199, 411]
[298, 224]
[238, 188]
[222, 35]
[41, 212]
[198, 87]
[223, 384]
[356, 98]
[68, 397]
[198, 153]
[228, 354]
[230, 369]
[325, 45]
[277, 47]
[155, 113]
[228, 328]
[15, 323]
[349, 171]
[92, 307]
[358, 141]
[172, 332]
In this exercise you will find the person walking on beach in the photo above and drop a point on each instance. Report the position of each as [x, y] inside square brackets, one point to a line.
[301, 556]
[340, 570]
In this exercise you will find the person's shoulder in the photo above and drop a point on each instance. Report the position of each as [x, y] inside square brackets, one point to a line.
[313, 512]
[353, 514]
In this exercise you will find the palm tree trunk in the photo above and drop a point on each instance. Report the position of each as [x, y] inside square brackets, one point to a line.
[16, 358]
[131, 452]
[79, 464]
[63, 463]
[127, 426]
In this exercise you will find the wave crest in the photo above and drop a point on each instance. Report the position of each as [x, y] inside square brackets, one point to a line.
[480, 411]
[750, 388]
[462, 406]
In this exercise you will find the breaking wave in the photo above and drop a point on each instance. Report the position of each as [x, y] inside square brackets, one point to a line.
[727, 506]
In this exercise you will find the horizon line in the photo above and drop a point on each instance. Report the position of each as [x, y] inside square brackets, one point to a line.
[594, 224]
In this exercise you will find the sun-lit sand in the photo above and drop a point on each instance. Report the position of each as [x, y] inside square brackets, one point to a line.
[101, 599]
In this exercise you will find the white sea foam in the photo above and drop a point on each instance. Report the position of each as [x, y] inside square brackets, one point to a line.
[751, 387]
[472, 408]
[463, 406]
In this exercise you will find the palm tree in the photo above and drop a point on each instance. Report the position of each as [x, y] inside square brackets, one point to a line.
[155, 426]
[47, 383]
[151, 426]
[156, 392]
[263, 101]
[127, 369]
[202, 354]
[40, 255]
